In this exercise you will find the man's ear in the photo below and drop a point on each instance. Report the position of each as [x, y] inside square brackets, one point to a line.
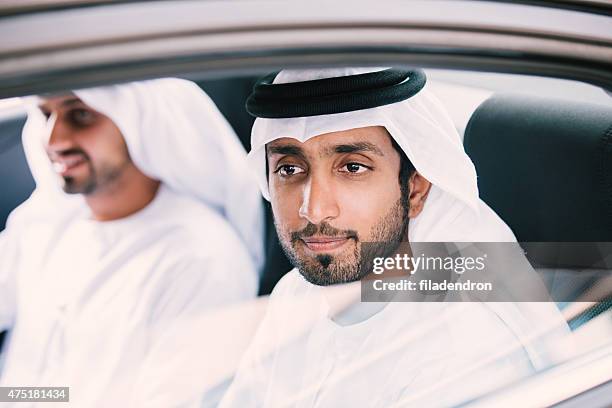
[419, 189]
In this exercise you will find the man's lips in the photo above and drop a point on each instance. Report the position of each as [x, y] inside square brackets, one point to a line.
[63, 164]
[324, 244]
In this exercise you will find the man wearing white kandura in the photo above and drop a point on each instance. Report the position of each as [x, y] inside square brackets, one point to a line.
[350, 156]
[143, 216]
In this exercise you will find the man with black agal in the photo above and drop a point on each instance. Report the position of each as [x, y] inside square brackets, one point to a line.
[350, 156]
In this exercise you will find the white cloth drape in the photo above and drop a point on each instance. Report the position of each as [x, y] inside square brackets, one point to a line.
[174, 133]
[422, 128]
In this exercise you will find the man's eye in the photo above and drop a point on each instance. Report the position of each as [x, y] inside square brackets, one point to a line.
[289, 170]
[81, 117]
[354, 168]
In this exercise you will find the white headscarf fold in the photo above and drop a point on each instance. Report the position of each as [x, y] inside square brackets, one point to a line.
[453, 211]
[174, 133]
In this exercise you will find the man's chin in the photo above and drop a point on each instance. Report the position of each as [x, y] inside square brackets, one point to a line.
[325, 272]
[73, 186]
[326, 279]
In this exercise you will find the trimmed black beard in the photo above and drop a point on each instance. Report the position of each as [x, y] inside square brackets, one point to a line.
[325, 270]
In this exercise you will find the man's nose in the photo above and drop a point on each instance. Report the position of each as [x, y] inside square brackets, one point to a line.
[58, 134]
[319, 201]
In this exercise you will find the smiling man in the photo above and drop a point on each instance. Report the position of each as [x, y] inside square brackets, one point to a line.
[89, 154]
[128, 235]
[356, 162]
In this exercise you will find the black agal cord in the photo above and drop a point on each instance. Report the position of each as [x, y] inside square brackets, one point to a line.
[333, 95]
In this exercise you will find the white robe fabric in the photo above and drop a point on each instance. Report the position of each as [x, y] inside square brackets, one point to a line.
[86, 301]
[406, 353]
[92, 298]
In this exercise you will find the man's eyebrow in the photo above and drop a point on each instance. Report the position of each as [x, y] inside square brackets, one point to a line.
[354, 148]
[71, 101]
[290, 150]
[66, 103]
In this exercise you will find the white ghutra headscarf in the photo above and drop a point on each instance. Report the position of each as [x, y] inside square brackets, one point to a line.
[420, 125]
[174, 133]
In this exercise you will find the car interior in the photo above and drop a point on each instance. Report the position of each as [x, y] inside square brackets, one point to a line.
[543, 164]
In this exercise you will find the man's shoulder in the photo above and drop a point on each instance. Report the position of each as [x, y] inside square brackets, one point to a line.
[183, 207]
[193, 221]
[291, 283]
[189, 232]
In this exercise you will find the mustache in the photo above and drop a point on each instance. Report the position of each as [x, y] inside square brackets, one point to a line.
[322, 229]
[69, 152]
